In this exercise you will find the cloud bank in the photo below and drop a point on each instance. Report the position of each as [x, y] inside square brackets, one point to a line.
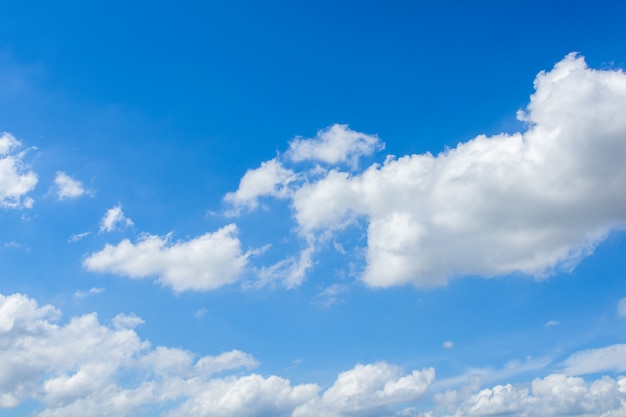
[108, 370]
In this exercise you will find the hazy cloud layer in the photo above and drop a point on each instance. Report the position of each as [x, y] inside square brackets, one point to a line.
[16, 180]
[203, 263]
[531, 202]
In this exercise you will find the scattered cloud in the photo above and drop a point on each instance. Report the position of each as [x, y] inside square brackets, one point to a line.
[113, 219]
[591, 361]
[621, 308]
[331, 295]
[552, 323]
[91, 291]
[533, 202]
[78, 236]
[448, 344]
[334, 145]
[16, 180]
[199, 313]
[203, 263]
[113, 369]
[68, 187]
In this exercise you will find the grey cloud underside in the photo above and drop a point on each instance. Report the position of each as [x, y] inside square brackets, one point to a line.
[533, 202]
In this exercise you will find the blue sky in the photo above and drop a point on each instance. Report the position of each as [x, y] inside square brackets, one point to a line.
[312, 209]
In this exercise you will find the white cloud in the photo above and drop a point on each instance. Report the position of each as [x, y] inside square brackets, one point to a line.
[85, 377]
[91, 291]
[532, 202]
[67, 187]
[336, 144]
[270, 179]
[554, 395]
[448, 344]
[552, 323]
[204, 263]
[78, 236]
[247, 396]
[609, 358]
[368, 390]
[621, 307]
[16, 181]
[114, 218]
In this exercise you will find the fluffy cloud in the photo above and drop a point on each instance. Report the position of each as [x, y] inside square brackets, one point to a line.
[15, 179]
[270, 179]
[114, 218]
[204, 263]
[336, 144]
[554, 395]
[84, 377]
[531, 202]
[108, 370]
[248, 396]
[67, 187]
[368, 390]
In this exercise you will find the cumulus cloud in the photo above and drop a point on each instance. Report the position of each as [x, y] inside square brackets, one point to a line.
[85, 377]
[368, 390]
[67, 187]
[110, 371]
[270, 179]
[114, 218]
[203, 263]
[531, 202]
[554, 395]
[16, 180]
[334, 145]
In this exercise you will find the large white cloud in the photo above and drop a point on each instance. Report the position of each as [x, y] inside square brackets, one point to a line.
[203, 263]
[16, 180]
[531, 202]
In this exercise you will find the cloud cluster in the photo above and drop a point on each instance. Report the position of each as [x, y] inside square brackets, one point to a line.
[203, 263]
[554, 395]
[531, 202]
[111, 371]
[16, 180]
